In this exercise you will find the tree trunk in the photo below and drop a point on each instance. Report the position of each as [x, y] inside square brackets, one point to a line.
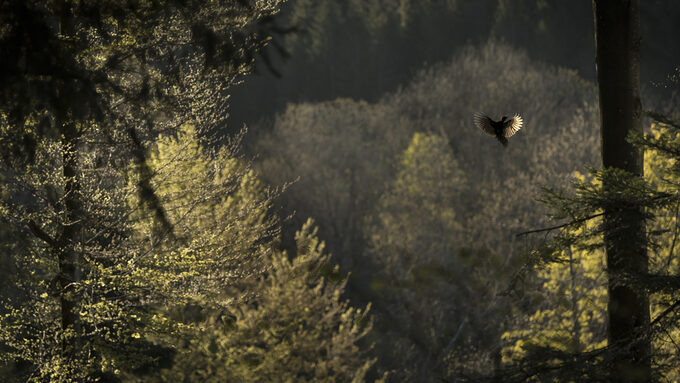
[69, 237]
[617, 41]
[71, 227]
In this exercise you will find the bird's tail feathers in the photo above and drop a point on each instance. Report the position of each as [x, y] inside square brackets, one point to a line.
[503, 140]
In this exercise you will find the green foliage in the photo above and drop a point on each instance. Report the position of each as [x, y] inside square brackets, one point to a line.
[220, 215]
[123, 258]
[572, 313]
[209, 303]
[342, 152]
[297, 328]
[332, 143]
[432, 297]
[119, 64]
[31, 328]
[415, 221]
[72, 104]
[438, 211]
[414, 236]
[120, 264]
[567, 330]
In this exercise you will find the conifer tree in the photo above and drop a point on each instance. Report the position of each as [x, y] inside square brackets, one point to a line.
[546, 347]
[229, 303]
[296, 327]
[617, 42]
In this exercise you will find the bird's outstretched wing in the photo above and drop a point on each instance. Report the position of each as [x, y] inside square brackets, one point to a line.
[512, 126]
[484, 123]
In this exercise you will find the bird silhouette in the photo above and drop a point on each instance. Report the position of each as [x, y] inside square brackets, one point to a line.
[502, 129]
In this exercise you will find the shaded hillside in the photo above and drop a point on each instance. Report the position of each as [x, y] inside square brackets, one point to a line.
[346, 158]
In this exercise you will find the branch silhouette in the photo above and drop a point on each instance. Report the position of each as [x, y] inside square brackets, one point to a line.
[559, 226]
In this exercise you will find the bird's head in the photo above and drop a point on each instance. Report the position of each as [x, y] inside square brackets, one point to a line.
[504, 118]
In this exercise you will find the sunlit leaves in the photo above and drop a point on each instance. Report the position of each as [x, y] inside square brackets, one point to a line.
[220, 217]
[567, 328]
[297, 327]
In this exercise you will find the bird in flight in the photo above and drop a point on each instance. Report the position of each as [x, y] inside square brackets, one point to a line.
[502, 129]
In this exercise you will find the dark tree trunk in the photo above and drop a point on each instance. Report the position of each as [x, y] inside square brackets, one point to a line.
[617, 41]
[70, 233]
[67, 241]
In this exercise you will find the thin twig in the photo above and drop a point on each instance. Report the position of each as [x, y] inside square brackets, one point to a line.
[658, 117]
[560, 226]
[665, 312]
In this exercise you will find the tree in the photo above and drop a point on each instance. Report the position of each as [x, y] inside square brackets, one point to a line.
[660, 155]
[565, 336]
[86, 85]
[341, 151]
[415, 221]
[569, 317]
[414, 237]
[220, 213]
[625, 215]
[345, 159]
[296, 328]
[617, 41]
[215, 300]
[225, 299]
[434, 296]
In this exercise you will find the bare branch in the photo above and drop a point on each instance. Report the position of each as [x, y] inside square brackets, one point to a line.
[560, 226]
[665, 312]
[658, 117]
[40, 233]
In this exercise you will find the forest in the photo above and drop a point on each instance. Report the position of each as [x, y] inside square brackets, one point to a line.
[308, 191]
